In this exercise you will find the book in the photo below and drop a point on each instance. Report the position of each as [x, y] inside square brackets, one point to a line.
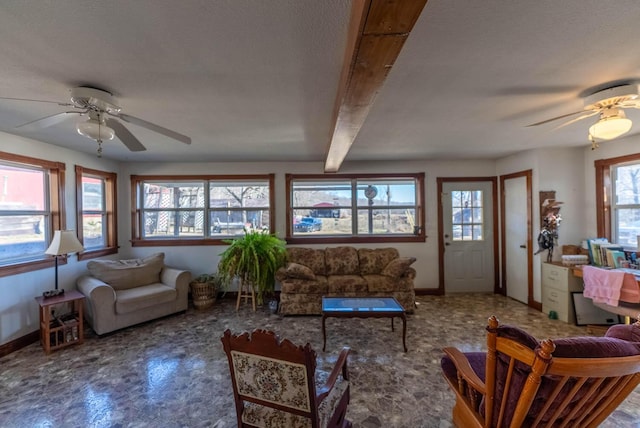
[594, 249]
[605, 258]
[618, 257]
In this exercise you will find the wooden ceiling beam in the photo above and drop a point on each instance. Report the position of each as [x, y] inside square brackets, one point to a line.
[377, 32]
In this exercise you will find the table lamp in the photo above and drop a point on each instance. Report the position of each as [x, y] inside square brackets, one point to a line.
[63, 242]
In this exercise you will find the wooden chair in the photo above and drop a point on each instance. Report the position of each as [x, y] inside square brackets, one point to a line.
[571, 382]
[274, 383]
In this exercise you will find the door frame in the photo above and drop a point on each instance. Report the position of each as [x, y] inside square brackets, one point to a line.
[494, 200]
[528, 174]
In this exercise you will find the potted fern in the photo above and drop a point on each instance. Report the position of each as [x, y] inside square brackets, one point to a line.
[253, 258]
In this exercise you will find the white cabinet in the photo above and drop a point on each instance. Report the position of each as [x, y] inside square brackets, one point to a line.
[557, 284]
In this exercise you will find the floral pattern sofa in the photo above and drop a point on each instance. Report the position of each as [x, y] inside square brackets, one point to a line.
[343, 272]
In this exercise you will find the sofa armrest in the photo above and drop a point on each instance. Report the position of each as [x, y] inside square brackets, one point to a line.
[175, 278]
[410, 273]
[99, 303]
[178, 279]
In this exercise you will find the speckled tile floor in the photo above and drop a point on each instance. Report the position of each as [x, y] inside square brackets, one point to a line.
[173, 373]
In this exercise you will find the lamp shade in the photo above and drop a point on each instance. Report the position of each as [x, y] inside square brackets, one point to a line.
[95, 130]
[64, 242]
[611, 126]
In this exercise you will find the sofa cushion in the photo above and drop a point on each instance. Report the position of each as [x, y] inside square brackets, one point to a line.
[342, 261]
[372, 261]
[125, 274]
[145, 296]
[318, 285]
[398, 267]
[309, 257]
[381, 283]
[295, 270]
[347, 284]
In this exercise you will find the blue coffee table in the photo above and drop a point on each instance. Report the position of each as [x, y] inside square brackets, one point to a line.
[363, 307]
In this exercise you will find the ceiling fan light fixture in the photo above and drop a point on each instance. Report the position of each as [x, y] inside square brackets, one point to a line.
[611, 126]
[92, 128]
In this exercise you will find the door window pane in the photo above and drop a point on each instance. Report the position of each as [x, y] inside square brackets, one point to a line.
[467, 215]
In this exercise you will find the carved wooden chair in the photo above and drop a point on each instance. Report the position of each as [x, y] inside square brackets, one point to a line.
[572, 382]
[276, 384]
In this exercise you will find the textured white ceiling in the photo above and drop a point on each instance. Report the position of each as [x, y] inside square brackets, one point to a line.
[256, 80]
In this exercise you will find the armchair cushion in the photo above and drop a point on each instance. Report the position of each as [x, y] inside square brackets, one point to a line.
[126, 274]
[397, 267]
[295, 270]
[145, 296]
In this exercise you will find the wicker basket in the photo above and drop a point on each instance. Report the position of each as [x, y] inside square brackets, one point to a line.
[203, 294]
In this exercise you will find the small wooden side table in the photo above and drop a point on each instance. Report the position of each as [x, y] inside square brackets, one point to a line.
[58, 332]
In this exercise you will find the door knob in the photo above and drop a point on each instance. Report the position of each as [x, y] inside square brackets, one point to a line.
[523, 246]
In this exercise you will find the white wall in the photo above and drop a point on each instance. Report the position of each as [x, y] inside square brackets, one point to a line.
[552, 169]
[18, 309]
[201, 259]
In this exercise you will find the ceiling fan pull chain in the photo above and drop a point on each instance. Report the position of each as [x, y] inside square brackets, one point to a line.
[594, 143]
[99, 148]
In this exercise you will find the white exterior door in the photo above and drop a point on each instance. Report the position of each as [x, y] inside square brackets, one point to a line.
[515, 213]
[468, 236]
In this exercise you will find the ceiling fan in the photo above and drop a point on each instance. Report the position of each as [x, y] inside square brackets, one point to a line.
[609, 103]
[102, 111]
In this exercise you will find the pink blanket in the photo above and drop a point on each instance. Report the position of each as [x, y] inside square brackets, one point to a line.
[610, 286]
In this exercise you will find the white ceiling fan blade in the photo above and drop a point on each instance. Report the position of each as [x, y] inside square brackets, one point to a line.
[127, 138]
[630, 104]
[156, 128]
[38, 101]
[584, 116]
[47, 121]
[559, 117]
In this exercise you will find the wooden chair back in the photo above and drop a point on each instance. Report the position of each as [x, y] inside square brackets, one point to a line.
[526, 385]
[578, 391]
[261, 355]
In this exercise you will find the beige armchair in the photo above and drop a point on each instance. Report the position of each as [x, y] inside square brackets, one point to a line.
[127, 292]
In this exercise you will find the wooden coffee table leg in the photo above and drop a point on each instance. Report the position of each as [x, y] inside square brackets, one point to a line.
[392, 328]
[404, 332]
[324, 333]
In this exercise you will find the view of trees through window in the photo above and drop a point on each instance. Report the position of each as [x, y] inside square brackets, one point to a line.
[24, 213]
[626, 204]
[188, 209]
[327, 207]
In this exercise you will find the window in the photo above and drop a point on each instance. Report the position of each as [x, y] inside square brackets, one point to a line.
[202, 210]
[363, 208]
[466, 215]
[31, 193]
[96, 217]
[618, 199]
[626, 204]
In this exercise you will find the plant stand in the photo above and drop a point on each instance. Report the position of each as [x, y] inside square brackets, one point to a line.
[246, 290]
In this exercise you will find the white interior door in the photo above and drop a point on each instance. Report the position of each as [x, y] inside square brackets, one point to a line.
[516, 272]
[468, 236]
